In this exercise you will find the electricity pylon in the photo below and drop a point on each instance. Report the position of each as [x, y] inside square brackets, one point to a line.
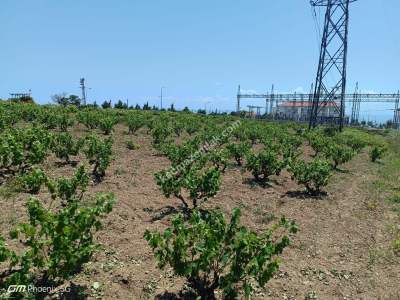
[330, 85]
[83, 88]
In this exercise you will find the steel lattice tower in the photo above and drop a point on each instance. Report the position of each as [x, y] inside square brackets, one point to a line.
[83, 88]
[330, 85]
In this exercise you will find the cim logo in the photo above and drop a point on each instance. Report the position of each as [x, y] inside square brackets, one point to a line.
[16, 289]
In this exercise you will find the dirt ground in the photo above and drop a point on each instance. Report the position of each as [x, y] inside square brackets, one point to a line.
[342, 250]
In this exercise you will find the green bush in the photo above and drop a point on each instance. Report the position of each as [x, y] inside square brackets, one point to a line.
[48, 119]
[20, 149]
[264, 164]
[377, 153]
[161, 134]
[253, 133]
[339, 154]
[69, 189]
[107, 123]
[135, 122]
[179, 153]
[178, 128]
[64, 145]
[99, 153]
[238, 151]
[89, 119]
[219, 158]
[215, 255]
[317, 141]
[330, 131]
[33, 181]
[64, 120]
[59, 243]
[191, 127]
[55, 243]
[201, 184]
[314, 174]
[290, 147]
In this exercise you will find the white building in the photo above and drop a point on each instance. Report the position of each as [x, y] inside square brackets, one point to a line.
[299, 110]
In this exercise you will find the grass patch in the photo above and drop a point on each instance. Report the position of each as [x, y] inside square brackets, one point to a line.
[9, 190]
[132, 146]
[396, 246]
[388, 184]
[389, 171]
[395, 199]
[368, 138]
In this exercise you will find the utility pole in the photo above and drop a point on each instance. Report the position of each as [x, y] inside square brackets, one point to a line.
[271, 102]
[355, 111]
[332, 61]
[161, 97]
[83, 88]
[205, 106]
[238, 102]
[396, 118]
[354, 107]
[310, 101]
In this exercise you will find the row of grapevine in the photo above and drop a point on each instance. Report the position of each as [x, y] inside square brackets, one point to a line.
[22, 149]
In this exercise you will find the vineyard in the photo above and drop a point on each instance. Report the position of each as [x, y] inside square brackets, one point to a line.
[138, 204]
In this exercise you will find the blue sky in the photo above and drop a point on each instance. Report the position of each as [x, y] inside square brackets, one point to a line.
[199, 50]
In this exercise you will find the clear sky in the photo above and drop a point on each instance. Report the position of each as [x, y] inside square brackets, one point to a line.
[198, 50]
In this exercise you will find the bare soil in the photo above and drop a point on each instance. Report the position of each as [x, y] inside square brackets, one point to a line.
[342, 250]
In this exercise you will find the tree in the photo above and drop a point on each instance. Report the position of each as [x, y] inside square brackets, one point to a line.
[64, 100]
[137, 107]
[92, 105]
[74, 100]
[388, 124]
[106, 104]
[60, 99]
[120, 105]
[172, 108]
[146, 106]
[24, 99]
[186, 109]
